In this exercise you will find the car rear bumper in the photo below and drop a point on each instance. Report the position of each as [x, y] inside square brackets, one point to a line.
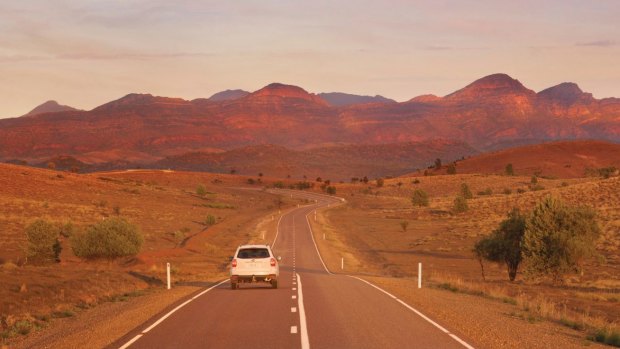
[252, 278]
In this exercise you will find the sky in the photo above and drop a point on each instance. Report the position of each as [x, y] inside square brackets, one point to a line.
[85, 53]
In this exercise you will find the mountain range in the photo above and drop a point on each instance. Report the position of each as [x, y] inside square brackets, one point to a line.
[493, 112]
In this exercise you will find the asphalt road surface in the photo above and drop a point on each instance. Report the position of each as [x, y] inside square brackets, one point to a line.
[312, 308]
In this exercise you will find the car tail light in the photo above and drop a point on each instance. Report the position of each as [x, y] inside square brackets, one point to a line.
[273, 262]
[234, 263]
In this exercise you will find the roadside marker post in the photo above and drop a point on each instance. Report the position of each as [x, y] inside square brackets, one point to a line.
[342, 263]
[168, 274]
[419, 275]
[323, 236]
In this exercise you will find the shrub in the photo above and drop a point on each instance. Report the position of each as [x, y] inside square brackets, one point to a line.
[210, 220]
[251, 181]
[278, 184]
[509, 170]
[537, 187]
[419, 198]
[404, 225]
[416, 181]
[559, 238]
[534, 179]
[331, 190]
[521, 190]
[465, 192]
[487, 191]
[111, 238]
[380, 182]
[460, 204]
[504, 244]
[451, 169]
[437, 164]
[507, 191]
[43, 245]
[201, 190]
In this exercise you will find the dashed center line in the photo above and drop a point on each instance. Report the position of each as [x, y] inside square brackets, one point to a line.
[293, 309]
[293, 329]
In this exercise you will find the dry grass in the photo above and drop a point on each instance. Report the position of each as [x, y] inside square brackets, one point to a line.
[163, 204]
[368, 228]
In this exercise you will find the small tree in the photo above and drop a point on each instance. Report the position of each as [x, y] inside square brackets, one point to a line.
[201, 190]
[43, 245]
[331, 190]
[509, 170]
[404, 225]
[465, 192]
[504, 244]
[319, 179]
[460, 204]
[452, 169]
[111, 238]
[419, 198]
[559, 238]
[534, 180]
[437, 164]
[380, 182]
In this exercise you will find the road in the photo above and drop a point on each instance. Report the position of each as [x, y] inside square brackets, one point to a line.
[312, 308]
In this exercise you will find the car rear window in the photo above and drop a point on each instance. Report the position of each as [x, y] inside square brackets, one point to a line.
[248, 253]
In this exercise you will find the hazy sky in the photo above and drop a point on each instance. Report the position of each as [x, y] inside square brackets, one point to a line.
[85, 53]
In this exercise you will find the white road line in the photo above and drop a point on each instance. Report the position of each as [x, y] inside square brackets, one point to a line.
[305, 343]
[294, 288]
[441, 328]
[277, 231]
[293, 297]
[315, 246]
[293, 309]
[293, 329]
[126, 345]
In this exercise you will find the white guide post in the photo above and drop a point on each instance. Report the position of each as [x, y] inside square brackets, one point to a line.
[342, 263]
[168, 274]
[419, 275]
[315, 215]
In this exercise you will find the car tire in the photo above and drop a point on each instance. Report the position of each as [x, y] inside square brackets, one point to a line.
[274, 283]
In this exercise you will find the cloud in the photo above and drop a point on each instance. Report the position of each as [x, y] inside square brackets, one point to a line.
[598, 43]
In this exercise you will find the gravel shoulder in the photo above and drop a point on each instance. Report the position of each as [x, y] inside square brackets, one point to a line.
[100, 326]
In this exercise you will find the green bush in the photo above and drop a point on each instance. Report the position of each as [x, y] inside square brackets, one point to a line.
[504, 244]
[460, 204]
[507, 191]
[111, 238]
[404, 225]
[43, 245]
[509, 170]
[331, 190]
[559, 238]
[465, 192]
[419, 198]
[380, 182]
[210, 220]
[487, 191]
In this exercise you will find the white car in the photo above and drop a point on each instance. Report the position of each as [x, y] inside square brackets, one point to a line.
[254, 263]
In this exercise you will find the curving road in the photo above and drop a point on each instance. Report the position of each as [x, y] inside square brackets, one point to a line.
[312, 308]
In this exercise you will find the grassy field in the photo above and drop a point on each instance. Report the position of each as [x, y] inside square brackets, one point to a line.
[370, 234]
[165, 205]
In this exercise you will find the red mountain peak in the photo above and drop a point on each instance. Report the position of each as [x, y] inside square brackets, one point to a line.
[286, 91]
[50, 107]
[565, 93]
[140, 99]
[491, 85]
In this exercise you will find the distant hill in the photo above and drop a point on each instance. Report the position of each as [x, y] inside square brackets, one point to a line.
[228, 95]
[565, 159]
[339, 99]
[338, 162]
[50, 107]
[492, 113]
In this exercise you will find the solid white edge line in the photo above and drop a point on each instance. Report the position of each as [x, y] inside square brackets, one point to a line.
[273, 244]
[315, 245]
[305, 342]
[160, 320]
[126, 345]
[441, 328]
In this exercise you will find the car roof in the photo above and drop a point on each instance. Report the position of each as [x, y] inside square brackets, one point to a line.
[254, 246]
